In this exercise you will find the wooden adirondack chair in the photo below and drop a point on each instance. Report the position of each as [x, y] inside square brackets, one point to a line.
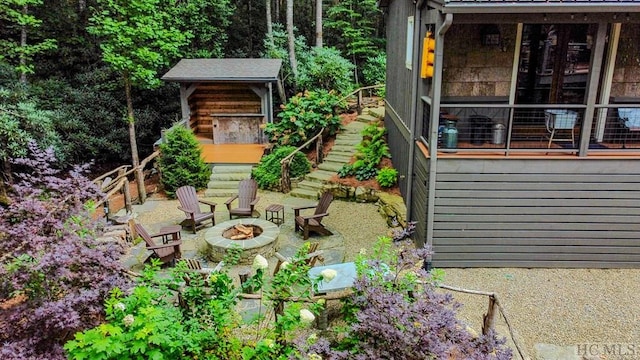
[167, 252]
[313, 255]
[314, 222]
[247, 199]
[190, 204]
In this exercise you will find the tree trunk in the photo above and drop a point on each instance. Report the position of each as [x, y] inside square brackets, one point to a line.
[291, 38]
[23, 46]
[269, 21]
[278, 11]
[142, 196]
[319, 23]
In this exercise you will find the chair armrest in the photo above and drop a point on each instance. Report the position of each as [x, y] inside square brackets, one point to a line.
[255, 201]
[304, 207]
[211, 204]
[315, 216]
[169, 244]
[163, 233]
[230, 200]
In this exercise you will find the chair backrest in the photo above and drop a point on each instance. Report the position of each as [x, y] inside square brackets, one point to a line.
[561, 119]
[142, 232]
[323, 204]
[188, 198]
[247, 192]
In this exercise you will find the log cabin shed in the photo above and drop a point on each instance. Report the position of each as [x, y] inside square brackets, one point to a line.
[515, 128]
[225, 102]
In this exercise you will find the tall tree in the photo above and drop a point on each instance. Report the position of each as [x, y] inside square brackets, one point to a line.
[208, 21]
[319, 23]
[17, 14]
[137, 39]
[291, 41]
[269, 20]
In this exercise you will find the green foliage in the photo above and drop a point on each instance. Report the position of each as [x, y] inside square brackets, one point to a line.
[209, 22]
[324, 68]
[17, 16]
[268, 173]
[371, 150]
[138, 37]
[276, 47]
[146, 324]
[387, 177]
[375, 69]
[181, 161]
[304, 116]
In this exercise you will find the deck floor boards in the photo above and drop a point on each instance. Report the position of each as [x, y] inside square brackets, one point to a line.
[232, 153]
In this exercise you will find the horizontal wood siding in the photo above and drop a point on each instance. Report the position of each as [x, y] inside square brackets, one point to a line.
[398, 76]
[537, 213]
[419, 196]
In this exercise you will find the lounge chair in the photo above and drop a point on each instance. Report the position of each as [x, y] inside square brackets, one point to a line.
[247, 199]
[168, 251]
[190, 204]
[313, 223]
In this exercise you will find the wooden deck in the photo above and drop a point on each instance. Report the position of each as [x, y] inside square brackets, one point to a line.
[232, 153]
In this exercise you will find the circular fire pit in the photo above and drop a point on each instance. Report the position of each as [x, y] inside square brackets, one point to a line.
[232, 233]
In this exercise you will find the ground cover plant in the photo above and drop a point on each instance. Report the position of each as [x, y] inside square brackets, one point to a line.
[54, 274]
[371, 150]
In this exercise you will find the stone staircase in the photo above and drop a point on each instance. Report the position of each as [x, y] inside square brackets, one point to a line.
[341, 152]
[225, 178]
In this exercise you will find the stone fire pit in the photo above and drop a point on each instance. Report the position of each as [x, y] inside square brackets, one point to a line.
[265, 234]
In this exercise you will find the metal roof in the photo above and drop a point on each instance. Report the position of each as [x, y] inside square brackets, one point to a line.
[538, 6]
[253, 70]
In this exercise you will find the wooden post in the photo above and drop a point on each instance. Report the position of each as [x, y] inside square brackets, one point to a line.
[244, 276]
[127, 195]
[285, 181]
[319, 147]
[490, 317]
[360, 102]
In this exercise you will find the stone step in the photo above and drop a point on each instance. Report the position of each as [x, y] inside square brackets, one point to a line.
[304, 193]
[229, 176]
[364, 118]
[222, 193]
[310, 185]
[221, 184]
[353, 142]
[338, 157]
[219, 169]
[377, 112]
[330, 166]
[343, 148]
[322, 176]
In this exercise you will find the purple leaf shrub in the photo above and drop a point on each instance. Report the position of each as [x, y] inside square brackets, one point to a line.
[54, 275]
[397, 314]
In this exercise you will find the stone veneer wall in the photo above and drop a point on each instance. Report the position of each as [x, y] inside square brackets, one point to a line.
[626, 76]
[472, 69]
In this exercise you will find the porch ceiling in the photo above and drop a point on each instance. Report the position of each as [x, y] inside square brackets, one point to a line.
[537, 6]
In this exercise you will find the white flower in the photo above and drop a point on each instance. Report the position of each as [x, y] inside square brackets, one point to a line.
[119, 306]
[259, 262]
[306, 316]
[128, 320]
[284, 265]
[270, 344]
[315, 356]
[328, 274]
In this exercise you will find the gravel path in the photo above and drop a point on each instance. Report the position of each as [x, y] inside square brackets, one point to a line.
[564, 307]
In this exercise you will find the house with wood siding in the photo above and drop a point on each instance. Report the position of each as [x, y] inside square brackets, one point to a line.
[515, 127]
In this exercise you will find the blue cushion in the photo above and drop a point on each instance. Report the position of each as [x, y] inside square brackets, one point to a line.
[630, 116]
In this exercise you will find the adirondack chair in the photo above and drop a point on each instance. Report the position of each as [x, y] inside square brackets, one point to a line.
[313, 223]
[313, 255]
[247, 199]
[167, 252]
[190, 204]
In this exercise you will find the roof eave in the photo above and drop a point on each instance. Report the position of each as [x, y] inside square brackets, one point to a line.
[220, 79]
[536, 8]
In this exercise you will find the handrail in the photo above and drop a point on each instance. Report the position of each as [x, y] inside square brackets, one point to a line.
[288, 157]
[361, 89]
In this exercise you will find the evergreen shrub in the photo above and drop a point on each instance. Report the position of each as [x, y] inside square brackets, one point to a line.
[181, 161]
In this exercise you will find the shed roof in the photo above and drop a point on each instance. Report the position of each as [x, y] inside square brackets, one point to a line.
[254, 70]
[539, 6]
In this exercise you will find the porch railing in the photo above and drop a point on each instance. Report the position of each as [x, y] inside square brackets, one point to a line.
[359, 95]
[547, 129]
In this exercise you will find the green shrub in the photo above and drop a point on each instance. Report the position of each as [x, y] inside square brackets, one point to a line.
[181, 161]
[324, 68]
[268, 173]
[387, 177]
[375, 70]
[304, 116]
